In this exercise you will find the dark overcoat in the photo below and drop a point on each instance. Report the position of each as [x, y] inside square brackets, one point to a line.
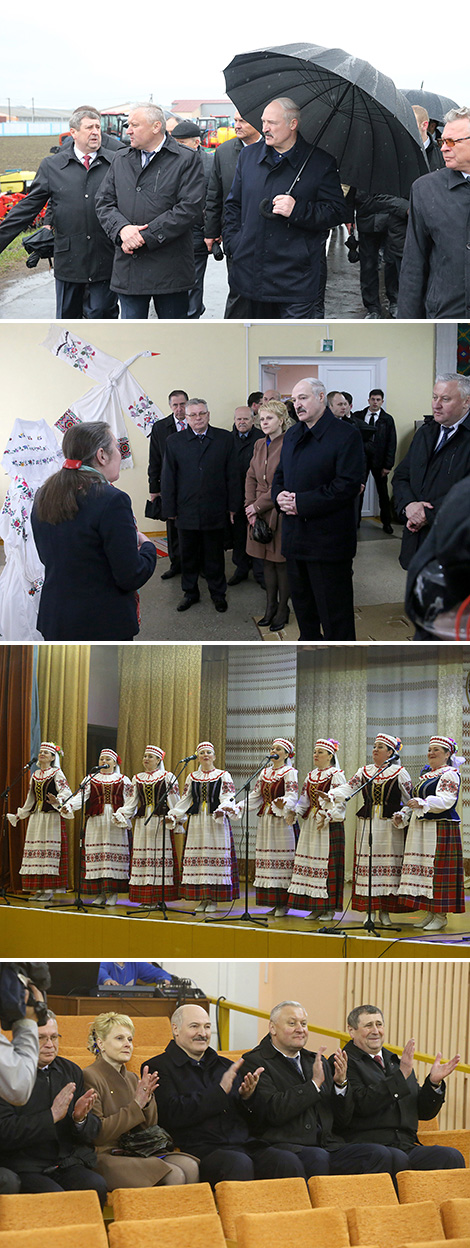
[161, 430]
[31, 1140]
[280, 258]
[380, 441]
[435, 270]
[200, 480]
[222, 174]
[193, 1107]
[168, 196]
[92, 570]
[386, 1106]
[323, 467]
[424, 477]
[289, 1109]
[82, 250]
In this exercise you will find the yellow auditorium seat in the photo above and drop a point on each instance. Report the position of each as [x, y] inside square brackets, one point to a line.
[345, 1191]
[436, 1185]
[460, 1138]
[312, 1228]
[441, 1243]
[49, 1209]
[188, 1200]
[205, 1231]
[455, 1214]
[394, 1224]
[261, 1196]
[88, 1235]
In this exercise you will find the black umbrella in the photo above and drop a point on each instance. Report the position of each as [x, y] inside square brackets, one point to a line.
[40, 246]
[436, 105]
[347, 107]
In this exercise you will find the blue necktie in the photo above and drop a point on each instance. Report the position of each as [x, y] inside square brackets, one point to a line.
[146, 156]
[446, 431]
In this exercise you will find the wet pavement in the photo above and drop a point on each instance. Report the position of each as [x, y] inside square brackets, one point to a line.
[32, 296]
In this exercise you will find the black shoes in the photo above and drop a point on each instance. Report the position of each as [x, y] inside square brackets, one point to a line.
[237, 578]
[387, 528]
[187, 602]
[171, 571]
[280, 621]
[220, 604]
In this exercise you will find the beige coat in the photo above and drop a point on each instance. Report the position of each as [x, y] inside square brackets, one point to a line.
[259, 479]
[119, 1112]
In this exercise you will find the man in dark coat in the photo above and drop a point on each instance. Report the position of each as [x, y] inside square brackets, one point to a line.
[48, 1141]
[220, 182]
[188, 134]
[380, 444]
[148, 205]
[435, 271]
[161, 430]
[206, 1106]
[438, 578]
[244, 434]
[300, 1103]
[381, 228]
[278, 255]
[315, 486]
[83, 255]
[438, 457]
[387, 1098]
[432, 152]
[200, 485]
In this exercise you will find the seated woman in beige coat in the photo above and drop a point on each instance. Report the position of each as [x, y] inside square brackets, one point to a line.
[124, 1102]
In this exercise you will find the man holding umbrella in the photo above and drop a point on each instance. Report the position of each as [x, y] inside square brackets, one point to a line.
[286, 195]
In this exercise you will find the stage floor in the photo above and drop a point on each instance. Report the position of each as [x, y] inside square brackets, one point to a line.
[57, 932]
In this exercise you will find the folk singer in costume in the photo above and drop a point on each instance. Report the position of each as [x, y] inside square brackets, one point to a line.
[432, 872]
[383, 797]
[276, 792]
[106, 844]
[153, 789]
[45, 856]
[209, 868]
[318, 875]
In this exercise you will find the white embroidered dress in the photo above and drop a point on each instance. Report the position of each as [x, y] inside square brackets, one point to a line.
[146, 868]
[417, 876]
[392, 787]
[106, 843]
[42, 847]
[275, 790]
[209, 865]
[310, 873]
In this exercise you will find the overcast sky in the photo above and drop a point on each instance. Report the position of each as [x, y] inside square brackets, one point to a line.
[110, 53]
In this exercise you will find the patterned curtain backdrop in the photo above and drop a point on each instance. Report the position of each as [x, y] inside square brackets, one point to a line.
[464, 746]
[63, 673]
[403, 699]
[331, 701]
[463, 349]
[214, 699]
[261, 704]
[16, 680]
[158, 702]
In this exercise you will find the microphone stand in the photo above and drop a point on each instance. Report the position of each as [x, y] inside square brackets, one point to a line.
[246, 917]
[368, 926]
[78, 904]
[4, 836]
[159, 809]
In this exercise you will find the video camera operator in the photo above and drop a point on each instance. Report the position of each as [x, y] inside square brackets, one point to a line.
[22, 1006]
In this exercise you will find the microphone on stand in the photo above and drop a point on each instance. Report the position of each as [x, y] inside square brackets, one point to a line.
[272, 757]
[94, 770]
[189, 759]
[31, 762]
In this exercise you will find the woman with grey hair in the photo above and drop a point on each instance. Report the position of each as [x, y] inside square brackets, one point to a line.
[274, 420]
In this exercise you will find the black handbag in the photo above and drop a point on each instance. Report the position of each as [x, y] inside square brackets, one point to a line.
[145, 1142]
[153, 508]
[261, 531]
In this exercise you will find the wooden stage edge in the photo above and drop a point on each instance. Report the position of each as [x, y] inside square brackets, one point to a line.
[47, 934]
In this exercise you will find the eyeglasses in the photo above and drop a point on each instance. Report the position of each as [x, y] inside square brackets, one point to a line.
[452, 142]
[43, 1040]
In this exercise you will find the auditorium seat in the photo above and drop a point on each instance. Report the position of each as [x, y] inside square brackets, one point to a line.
[203, 1231]
[458, 1138]
[261, 1196]
[441, 1243]
[190, 1199]
[455, 1214]
[436, 1185]
[49, 1209]
[348, 1190]
[86, 1235]
[313, 1228]
[394, 1224]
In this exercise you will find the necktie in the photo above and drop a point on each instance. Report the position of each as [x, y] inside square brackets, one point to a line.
[146, 156]
[295, 1061]
[181, 426]
[380, 1061]
[86, 161]
[446, 432]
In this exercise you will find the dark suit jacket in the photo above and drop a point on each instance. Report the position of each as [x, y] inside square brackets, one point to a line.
[161, 430]
[244, 449]
[290, 1110]
[193, 1107]
[324, 468]
[200, 480]
[29, 1137]
[380, 440]
[422, 476]
[386, 1106]
[220, 181]
[93, 568]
